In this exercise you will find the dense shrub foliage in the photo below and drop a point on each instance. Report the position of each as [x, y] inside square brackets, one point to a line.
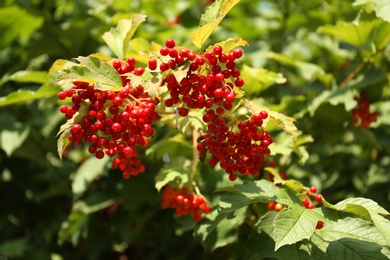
[194, 129]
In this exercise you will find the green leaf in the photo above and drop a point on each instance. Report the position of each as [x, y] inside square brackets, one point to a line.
[229, 44]
[88, 171]
[382, 36]
[217, 230]
[258, 80]
[307, 70]
[16, 22]
[22, 96]
[210, 20]
[118, 38]
[93, 71]
[61, 64]
[246, 193]
[73, 227]
[14, 247]
[178, 170]
[354, 33]
[366, 209]
[334, 97]
[12, 139]
[29, 76]
[349, 238]
[294, 224]
[381, 7]
[151, 81]
[284, 122]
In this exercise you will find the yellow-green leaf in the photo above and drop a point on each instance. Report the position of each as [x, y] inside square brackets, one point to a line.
[210, 20]
[118, 38]
[230, 44]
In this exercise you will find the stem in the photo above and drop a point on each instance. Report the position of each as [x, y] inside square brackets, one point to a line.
[352, 75]
[195, 158]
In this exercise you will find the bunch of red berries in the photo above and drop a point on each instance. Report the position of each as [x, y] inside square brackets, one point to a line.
[209, 81]
[112, 123]
[361, 114]
[311, 193]
[185, 203]
[240, 151]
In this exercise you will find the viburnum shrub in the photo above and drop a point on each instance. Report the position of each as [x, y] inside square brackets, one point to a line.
[115, 106]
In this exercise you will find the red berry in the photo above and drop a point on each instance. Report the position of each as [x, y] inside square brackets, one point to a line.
[62, 95]
[318, 198]
[237, 53]
[164, 51]
[183, 111]
[152, 64]
[170, 43]
[320, 224]
[239, 82]
[217, 49]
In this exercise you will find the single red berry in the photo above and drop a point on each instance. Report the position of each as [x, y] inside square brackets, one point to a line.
[232, 177]
[271, 205]
[139, 71]
[199, 60]
[164, 67]
[116, 127]
[310, 206]
[239, 82]
[320, 224]
[164, 51]
[170, 43]
[237, 53]
[318, 198]
[217, 49]
[62, 95]
[117, 64]
[183, 111]
[99, 154]
[152, 64]
[313, 189]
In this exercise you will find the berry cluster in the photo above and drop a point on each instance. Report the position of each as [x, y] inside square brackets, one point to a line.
[241, 151]
[210, 78]
[185, 203]
[275, 206]
[361, 114]
[112, 123]
[307, 201]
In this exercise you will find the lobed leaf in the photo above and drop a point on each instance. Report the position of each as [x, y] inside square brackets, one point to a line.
[93, 71]
[178, 170]
[210, 20]
[118, 38]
